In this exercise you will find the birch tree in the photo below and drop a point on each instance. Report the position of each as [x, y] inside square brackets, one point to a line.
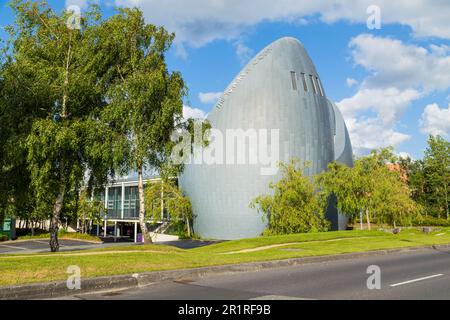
[145, 100]
[66, 74]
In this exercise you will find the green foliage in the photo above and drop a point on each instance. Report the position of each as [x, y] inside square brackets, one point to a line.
[62, 235]
[417, 183]
[88, 209]
[294, 206]
[437, 174]
[392, 200]
[54, 91]
[370, 187]
[78, 105]
[145, 100]
[429, 179]
[167, 195]
[431, 222]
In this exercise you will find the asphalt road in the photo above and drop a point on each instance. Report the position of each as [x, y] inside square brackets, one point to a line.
[423, 274]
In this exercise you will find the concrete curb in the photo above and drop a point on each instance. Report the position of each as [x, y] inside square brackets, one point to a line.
[59, 289]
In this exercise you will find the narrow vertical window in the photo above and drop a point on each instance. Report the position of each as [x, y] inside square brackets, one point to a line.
[320, 86]
[294, 80]
[305, 85]
[313, 83]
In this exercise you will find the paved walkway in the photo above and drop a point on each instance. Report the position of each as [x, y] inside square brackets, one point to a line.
[189, 244]
[42, 245]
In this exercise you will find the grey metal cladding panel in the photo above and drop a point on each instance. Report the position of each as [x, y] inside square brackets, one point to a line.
[343, 146]
[262, 97]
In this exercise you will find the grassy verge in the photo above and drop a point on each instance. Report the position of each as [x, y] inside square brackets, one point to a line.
[20, 269]
[63, 235]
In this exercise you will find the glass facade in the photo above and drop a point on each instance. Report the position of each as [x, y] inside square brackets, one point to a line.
[131, 203]
[114, 205]
[121, 201]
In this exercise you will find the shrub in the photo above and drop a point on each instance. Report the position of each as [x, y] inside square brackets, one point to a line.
[294, 206]
[432, 222]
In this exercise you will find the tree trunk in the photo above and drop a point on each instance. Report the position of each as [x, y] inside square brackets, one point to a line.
[361, 219]
[446, 201]
[188, 228]
[142, 222]
[54, 220]
[368, 219]
[162, 200]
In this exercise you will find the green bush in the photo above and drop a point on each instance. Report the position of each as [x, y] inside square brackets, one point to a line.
[3, 237]
[178, 228]
[432, 222]
[61, 234]
[293, 205]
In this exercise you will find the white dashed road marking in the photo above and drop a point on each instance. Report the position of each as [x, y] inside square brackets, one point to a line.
[416, 280]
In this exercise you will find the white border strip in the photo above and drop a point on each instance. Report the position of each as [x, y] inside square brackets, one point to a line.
[12, 247]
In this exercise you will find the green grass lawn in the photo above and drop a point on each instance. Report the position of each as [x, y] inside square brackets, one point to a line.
[20, 269]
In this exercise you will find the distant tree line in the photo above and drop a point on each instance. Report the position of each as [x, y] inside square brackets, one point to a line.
[429, 178]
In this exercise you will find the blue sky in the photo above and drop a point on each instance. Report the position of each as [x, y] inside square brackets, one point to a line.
[391, 84]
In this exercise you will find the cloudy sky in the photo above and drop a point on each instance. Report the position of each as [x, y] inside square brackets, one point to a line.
[392, 84]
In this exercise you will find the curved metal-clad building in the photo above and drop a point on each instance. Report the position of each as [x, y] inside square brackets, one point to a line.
[279, 89]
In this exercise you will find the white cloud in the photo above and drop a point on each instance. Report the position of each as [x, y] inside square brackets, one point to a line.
[351, 82]
[372, 133]
[399, 74]
[436, 121]
[392, 63]
[209, 97]
[404, 155]
[243, 52]
[193, 113]
[79, 3]
[198, 22]
[379, 131]
[390, 103]
[442, 50]
[180, 51]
